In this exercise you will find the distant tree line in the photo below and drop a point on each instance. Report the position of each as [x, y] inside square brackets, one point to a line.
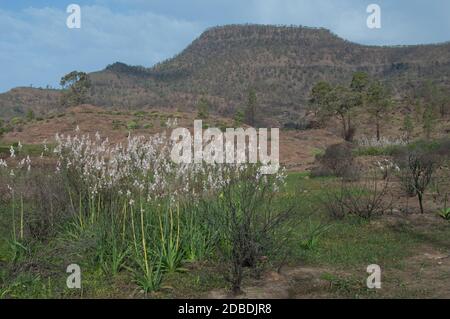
[424, 104]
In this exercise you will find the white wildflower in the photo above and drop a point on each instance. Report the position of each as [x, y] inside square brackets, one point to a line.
[12, 152]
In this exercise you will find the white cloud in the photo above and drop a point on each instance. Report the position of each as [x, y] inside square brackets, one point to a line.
[37, 47]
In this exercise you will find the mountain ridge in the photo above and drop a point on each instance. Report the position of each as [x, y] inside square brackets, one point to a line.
[281, 63]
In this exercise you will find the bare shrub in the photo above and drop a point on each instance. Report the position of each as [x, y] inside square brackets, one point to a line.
[364, 199]
[334, 203]
[50, 203]
[247, 222]
[41, 197]
[417, 165]
[442, 178]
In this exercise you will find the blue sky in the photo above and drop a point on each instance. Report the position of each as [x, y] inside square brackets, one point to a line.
[37, 48]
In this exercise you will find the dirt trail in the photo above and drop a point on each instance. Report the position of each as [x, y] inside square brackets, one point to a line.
[292, 282]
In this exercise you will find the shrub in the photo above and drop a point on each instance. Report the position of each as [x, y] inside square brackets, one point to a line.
[203, 108]
[417, 165]
[139, 113]
[445, 213]
[49, 202]
[132, 125]
[246, 220]
[338, 160]
[365, 200]
[16, 121]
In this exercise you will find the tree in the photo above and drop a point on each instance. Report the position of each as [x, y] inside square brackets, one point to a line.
[428, 122]
[379, 103]
[238, 117]
[360, 82]
[341, 102]
[75, 85]
[359, 85]
[443, 102]
[2, 130]
[30, 115]
[203, 108]
[250, 110]
[408, 127]
[417, 168]
[418, 111]
[319, 96]
[435, 97]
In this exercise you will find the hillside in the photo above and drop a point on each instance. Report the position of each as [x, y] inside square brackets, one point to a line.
[280, 63]
[18, 101]
[297, 148]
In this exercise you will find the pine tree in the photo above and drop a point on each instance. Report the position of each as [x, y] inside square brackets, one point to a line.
[203, 109]
[30, 115]
[408, 127]
[238, 118]
[428, 122]
[75, 85]
[250, 110]
[379, 104]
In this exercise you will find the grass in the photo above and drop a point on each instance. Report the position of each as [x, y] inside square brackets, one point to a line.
[390, 150]
[354, 244]
[346, 245]
[27, 149]
[376, 150]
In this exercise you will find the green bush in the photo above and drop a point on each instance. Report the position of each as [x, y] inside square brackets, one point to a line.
[132, 125]
[16, 120]
[445, 213]
[140, 113]
[30, 115]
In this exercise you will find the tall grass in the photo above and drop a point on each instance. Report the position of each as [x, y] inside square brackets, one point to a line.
[145, 215]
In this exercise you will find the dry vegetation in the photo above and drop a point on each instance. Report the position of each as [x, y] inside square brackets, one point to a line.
[364, 184]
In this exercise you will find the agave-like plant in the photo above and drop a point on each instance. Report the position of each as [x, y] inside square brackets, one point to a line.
[445, 213]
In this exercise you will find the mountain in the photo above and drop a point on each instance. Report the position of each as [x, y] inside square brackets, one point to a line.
[280, 63]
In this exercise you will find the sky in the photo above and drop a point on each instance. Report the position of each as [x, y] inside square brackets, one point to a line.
[37, 48]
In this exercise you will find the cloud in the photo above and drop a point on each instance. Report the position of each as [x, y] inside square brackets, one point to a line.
[36, 47]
